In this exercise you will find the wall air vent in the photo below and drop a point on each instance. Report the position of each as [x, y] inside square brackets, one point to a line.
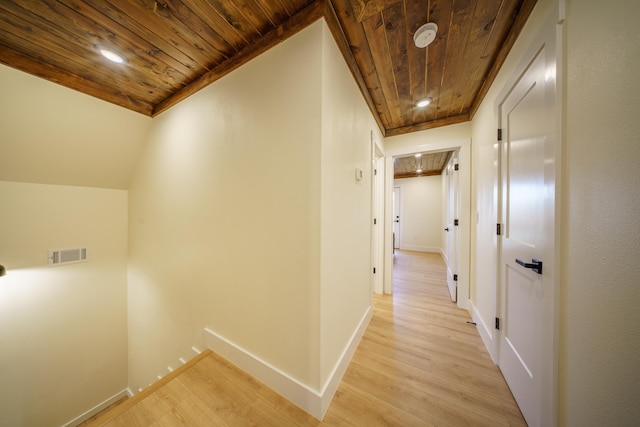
[68, 256]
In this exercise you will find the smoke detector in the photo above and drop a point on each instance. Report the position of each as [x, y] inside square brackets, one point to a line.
[425, 34]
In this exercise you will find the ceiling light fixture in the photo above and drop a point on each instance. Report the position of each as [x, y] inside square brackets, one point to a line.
[418, 155]
[421, 103]
[425, 34]
[418, 170]
[111, 54]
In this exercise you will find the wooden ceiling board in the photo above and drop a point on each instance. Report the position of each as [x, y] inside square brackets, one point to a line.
[175, 48]
[518, 17]
[439, 12]
[299, 21]
[397, 42]
[416, 15]
[213, 21]
[356, 41]
[485, 35]
[452, 63]
[374, 29]
[56, 55]
[430, 164]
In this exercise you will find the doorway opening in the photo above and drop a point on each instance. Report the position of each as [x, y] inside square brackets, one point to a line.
[462, 148]
[425, 203]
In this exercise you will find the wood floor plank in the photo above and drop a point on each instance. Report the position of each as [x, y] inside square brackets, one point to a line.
[355, 406]
[419, 363]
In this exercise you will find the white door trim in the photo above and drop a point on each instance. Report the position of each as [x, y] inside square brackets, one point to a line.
[464, 145]
[451, 207]
[377, 213]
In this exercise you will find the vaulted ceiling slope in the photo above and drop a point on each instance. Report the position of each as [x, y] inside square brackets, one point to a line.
[173, 48]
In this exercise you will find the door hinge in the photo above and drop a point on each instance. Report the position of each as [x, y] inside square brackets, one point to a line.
[499, 134]
[456, 222]
[375, 171]
[455, 277]
[499, 229]
[497, 323]
[375, 221]
[374, 270]
[456, 167]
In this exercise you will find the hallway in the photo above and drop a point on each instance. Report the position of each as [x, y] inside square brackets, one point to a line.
[419, 363]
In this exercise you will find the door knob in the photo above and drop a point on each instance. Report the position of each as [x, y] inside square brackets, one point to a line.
[535, 265]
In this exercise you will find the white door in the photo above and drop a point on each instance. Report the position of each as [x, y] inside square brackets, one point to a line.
[451, 229]
[396, 217]
[527, 255]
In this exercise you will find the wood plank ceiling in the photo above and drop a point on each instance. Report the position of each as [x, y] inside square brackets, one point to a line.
[173, 48]
[420, 164]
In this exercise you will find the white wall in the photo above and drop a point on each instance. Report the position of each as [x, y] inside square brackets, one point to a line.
[50, 134]
[246, 217]
[345, 208]
[421, 222]
[429, 137]
[63, 329]
[600, 331]
[225, 220]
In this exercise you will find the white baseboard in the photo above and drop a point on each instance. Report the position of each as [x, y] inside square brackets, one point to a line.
[487, 334]
[332, 383]
[418, 248]
[97, 409]
[312, 401]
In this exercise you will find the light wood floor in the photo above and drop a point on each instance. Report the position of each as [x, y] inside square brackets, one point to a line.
[419, 364]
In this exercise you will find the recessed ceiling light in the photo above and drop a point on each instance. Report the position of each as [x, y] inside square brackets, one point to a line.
[418, 155]
[418, 170]
[421, 103]
[111, 54]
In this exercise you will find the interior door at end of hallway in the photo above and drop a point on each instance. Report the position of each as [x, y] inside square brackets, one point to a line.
[396, 217]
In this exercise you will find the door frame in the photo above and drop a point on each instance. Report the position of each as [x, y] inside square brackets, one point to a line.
[464, 147]
[550, 34]
[377, 216]
[451, 208]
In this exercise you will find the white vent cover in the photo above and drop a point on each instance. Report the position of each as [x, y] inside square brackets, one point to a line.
[68, 256]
